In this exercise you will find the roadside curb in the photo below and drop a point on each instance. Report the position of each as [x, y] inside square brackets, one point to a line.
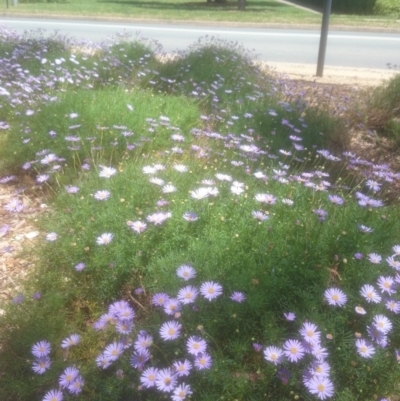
[202, 23]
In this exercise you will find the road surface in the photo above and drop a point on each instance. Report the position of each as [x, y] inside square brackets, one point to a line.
[347, 49]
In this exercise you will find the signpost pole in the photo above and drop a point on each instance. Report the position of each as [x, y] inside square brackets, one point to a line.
[324, 37]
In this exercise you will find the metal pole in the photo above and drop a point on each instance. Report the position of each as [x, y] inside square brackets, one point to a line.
[324, 37]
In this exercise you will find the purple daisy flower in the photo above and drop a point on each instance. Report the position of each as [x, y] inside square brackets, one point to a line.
[186, 272]
[76, 386]
[290, 316]
[182, 368]
[283, 375]
[257, 347]
[137, 226]
[322, 387]
[68, 376]
[148, 377]
[14, 206]
[369, 293]
[159, 299]
[238, 297]
[144, 341]
[336, 199]
[170, 330]
[172, 306]
[80, 266]
[210, 290]
[51, 237]
[40, 349]
[41, 365]
[103, 362]
[365, 349]
[335, 296]
[203, 361]
[181, 392]
[104, 239]
[71, 189]
[190, 216]
[102, 195]
[293, 350]
[196, 345]
[107, 172]
[166, 381]
[53, 395]
[188, 294]
[309, 331]
[73, 339]
[274, 355]
[113, 351]
[42, 178]
[139, 358]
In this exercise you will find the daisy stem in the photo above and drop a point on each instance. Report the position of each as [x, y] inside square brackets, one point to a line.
[137, 303]
[214, 341]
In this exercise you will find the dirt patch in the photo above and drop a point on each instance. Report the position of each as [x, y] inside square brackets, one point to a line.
[360, 77]
[18, 236]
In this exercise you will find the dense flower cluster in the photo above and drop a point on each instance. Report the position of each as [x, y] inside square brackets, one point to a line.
[120, 316]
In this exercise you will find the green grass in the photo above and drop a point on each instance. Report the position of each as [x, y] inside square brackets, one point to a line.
[230, 120]
[262, 12]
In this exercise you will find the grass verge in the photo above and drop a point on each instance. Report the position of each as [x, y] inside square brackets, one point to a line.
[262, 12]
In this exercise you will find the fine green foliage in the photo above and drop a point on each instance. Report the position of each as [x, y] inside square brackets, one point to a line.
[148, 166]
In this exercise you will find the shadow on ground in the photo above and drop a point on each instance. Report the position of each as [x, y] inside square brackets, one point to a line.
[201, 5]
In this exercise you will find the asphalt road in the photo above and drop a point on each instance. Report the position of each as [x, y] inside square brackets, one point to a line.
[348, 49]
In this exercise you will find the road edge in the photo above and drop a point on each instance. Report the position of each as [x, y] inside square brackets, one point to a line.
[269, 25]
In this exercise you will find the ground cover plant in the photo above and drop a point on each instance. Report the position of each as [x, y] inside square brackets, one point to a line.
[205, 239]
